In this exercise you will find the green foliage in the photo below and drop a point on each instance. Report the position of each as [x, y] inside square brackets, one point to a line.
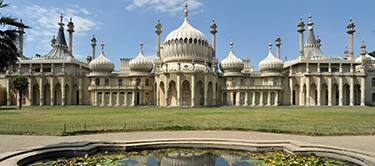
[245, 158]
[21, 83]
[8, 39]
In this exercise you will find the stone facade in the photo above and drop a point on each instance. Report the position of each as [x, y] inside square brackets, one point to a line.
[187, 73]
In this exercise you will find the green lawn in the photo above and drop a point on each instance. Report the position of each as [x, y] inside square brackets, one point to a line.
[79, 120]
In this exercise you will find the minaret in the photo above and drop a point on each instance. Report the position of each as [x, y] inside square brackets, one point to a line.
[278, 44]
[301, 29]
[21, 30]
[93, 46]
[363, 50]
[213, 32]
[351, 30]
[158, 31]
[70, 30]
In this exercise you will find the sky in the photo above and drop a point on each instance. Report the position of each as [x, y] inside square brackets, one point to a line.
[250, 24]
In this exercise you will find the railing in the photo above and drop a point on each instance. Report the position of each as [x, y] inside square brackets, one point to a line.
[343, 128]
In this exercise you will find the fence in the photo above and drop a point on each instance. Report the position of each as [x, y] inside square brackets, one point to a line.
[276, 127]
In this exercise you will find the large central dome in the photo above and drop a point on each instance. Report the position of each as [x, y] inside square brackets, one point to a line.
[186, 44]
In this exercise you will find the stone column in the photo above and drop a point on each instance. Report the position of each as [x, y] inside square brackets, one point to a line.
[214, 102]
[246, 101]
[133, 98]
[118, 99]
[238, 98]
[351, 91]
[110, 98]
[178, 87]
[276, 98]
[8, 91]
[157, 95]
[291, 90]
[301, 97]
[269, 98]
[80, 89]
[318, 89]
[41, 92]
[63, 92]
[307, 91]
[192, 91]
[253, 104]
[103, 97]
[52, 92]
[261, 99]
[341, 91]
[330, 91]
[363, 92]
[30, 90]
[166, 87]
[205, 90]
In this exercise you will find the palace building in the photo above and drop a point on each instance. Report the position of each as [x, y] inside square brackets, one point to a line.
[187, 73]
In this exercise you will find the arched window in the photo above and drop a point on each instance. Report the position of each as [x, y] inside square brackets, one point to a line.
[106, 82]
[120, 82]
[138, 81]
[373, 82]
[147, 82]
[97, 82]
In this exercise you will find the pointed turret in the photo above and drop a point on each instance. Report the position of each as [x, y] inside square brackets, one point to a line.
[301, 30]
[60, 40]
[311, 41]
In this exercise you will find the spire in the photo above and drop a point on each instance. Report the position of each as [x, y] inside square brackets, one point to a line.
[186, 11]
[310, 34]
[60, 40]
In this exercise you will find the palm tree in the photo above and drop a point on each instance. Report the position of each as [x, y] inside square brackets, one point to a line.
[21, 84]
[8, 39]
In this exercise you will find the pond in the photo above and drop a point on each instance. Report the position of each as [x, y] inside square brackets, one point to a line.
[193, 157]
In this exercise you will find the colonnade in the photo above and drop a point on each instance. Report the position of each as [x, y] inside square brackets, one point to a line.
[250, 98]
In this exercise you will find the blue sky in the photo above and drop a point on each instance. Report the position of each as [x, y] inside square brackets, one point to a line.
[250, 24]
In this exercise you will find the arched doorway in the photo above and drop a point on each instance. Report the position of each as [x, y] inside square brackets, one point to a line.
[257, 99]
[357, 94]
[210, 91]
[234, 97]
[225, 99]
[36, 95]
[129, 99]
[162, 101]
[122, 99]
[186, 93]
[335, 94]
[75, 97]
[58, 94]
[99, 98]
[47, 95]
[324, 94]
[67, 95]
[303, 102]
[114, 99]
[107, 95]
[199, 94]
[313, 95]
[172, 94]
[346, 94]
[147, 99]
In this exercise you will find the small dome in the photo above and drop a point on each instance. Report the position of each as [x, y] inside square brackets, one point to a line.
[271, 63]
[231, 63]
[141, 63]
[102, 64]
[366, 58]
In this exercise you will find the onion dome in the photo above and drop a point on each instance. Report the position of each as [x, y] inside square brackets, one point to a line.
[364, 57]
[102, 64]
[141, 63]
[231, 63]
[270, 63]
[186, 43]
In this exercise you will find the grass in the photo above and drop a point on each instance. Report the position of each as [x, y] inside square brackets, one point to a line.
[83, 120]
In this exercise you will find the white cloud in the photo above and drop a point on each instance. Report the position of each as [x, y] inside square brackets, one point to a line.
[172, 7]
[43, 21]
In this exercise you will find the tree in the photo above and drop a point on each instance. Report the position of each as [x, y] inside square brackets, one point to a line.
[8, 39]
[372, 54]
[21, 84]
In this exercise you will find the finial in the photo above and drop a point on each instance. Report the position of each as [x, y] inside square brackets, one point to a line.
[102, 45]
[311, 23]
[93, 40]
[346, 51]
[213, 27]
[351, 26]
[70, 20]
[270, 45]
[301, 26]
[141, 46]
[186, 11]
[158, 27]
[231, 45]
[61, 21]
[53, 41]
